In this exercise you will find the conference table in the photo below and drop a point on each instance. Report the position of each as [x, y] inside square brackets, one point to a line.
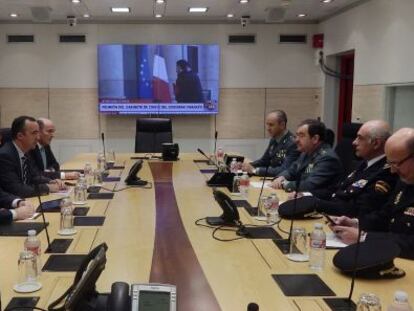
[152, 237]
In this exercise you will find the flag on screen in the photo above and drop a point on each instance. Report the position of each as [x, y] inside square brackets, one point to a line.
[161, 88]
[144, 76]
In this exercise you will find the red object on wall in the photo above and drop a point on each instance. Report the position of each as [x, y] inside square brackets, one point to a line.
[318, 41]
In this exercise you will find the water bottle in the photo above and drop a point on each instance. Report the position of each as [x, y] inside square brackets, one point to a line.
[317, 247]
[88, 173]
[101, 162]
[244, 185]
[272, 215]
[400, 302]
[233, 166]
[80, 191]
[33, 245]
[236, 182]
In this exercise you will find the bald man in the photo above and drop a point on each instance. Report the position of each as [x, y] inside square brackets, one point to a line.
[396, 218]
[43, 156]
[280, 153]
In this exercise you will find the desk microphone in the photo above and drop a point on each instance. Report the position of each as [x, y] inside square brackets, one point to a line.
[103, 143]
[252, 307]
[215, 144]
[208, 158]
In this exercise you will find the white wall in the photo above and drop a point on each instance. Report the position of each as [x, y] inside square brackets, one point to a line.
[381, 32]
[50, 64]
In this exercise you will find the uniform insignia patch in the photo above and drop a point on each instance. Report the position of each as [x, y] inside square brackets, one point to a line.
[360, 183]
[398, 198]
[409, 211]
[309, 168]
[382, 186]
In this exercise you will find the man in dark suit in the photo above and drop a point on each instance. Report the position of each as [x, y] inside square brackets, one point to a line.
[280, 153]
[18, 174]
[395, 220]
[14, 208]
[43, 156]
[318, 168]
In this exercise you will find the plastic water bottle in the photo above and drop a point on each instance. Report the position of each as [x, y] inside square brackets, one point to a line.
[236, 182]
[88, 172]
[233, 166]
[244, 185]
[400, 302]
[317, 247]
[33, 245]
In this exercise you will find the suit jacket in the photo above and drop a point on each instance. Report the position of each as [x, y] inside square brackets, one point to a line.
[278, 156]
[363, 191]
[6, 216]
[52, 164]
[11, 174]
[395, 220]
[318, 172]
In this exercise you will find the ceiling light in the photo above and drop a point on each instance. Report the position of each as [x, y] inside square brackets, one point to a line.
[159, 1]
[198, 10]
[76, 1]
[301, 15]
[86, 15]
[158, 15]
[230, 15]
[120, 10]
[243, 1]
[326, 1]
[14, 15]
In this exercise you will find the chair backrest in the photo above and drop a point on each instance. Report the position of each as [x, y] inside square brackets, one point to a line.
[5, 134]
[330, 137]
[151, 133]
[344, 148]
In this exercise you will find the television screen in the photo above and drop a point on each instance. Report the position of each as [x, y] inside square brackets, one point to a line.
[158, 79]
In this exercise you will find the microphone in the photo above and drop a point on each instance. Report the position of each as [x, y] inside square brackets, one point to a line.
[57, 245]
[208, 158]
[215, 144]
[252, 307]
[103, 143]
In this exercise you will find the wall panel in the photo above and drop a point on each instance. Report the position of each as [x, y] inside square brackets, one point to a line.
[368, 102]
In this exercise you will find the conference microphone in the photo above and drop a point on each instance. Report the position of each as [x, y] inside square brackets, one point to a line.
[103, 143]
[215, 144]
[252, 307]
[58, 245]
[208, 158]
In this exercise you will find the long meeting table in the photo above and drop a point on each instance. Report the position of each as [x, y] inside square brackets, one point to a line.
[152, 237]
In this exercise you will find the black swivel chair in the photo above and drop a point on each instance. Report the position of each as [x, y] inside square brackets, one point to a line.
[330, 137]
[344, 148]
[151, 133]
[5, 134]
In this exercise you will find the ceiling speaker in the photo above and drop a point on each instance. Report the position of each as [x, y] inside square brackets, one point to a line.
[41, 14]
[275, 15]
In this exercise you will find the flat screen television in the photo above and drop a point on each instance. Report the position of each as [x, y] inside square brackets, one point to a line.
[158, 79]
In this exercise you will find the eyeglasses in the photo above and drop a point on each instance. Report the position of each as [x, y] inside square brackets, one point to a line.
[397, 164]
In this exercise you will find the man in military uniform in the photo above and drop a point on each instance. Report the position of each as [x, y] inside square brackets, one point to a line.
[318, 168]
[281, 151]
[368, 187]
[396, 219]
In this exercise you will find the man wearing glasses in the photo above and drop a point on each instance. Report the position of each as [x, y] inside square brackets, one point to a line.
[396, 219]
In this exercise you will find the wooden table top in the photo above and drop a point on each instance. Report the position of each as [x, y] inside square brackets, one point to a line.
[152, 237]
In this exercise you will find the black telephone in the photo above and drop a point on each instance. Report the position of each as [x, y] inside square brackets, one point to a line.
[230, 216]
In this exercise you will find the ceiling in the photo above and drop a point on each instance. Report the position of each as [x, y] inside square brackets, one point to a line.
[56, 11]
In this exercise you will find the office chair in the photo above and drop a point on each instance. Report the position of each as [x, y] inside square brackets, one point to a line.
[330, 137]
[5, 135]
[344, 148]
[151, 133]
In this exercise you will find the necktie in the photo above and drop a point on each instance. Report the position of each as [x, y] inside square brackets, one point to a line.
[25, 170]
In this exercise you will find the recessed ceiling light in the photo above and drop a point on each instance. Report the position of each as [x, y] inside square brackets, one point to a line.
[120, 10]
[301, 15]
[86, 15]
[14, 15]
[326, 1]
[198, 10]
[158, 15]
[230, 15]
[243, 1]
[76, 1]
[159, 1]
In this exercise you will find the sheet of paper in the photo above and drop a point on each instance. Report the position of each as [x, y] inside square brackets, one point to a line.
[333, 242]
[258, 184]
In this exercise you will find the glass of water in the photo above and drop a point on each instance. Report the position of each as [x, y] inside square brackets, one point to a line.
[368, 302]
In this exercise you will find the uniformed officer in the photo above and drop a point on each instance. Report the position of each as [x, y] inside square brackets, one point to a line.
[318, 168]
[368, 187]
[396, 219]
[281, 151]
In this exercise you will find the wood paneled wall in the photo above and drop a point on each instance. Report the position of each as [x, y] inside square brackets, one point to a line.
[241, 116]
[368, 103]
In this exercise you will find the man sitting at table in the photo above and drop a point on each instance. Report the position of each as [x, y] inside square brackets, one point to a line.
[281, 151]
[42, 154]
[318, 168]
[395, 220]
[18, 174]
[14, 208]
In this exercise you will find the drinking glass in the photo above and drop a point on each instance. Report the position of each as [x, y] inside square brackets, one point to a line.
[298, 245]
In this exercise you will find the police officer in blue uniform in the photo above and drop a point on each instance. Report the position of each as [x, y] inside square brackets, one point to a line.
[396, 219]
[281, 151]
[318, 168]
